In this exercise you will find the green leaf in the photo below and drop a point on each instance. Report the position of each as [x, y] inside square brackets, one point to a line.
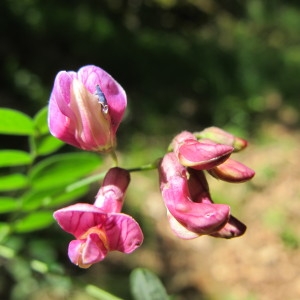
[8, 204]
[146, 285]
[33, 200]
[41, 121]
[9, 158]
[63, 169]
[34, 221]
[67, 196]
[15, 122]
[4, 230]
[50, 198]
[47, 144]
[13, 182]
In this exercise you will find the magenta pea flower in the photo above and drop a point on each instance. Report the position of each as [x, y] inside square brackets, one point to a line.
[101, 227]
[189, 206]
[86, 108]
[97, 232]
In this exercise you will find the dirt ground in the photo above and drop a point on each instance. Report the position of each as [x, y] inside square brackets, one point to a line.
[264, 264]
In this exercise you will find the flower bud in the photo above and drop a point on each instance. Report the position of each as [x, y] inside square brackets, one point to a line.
[232, 171]
[220, 136]
[111, 195]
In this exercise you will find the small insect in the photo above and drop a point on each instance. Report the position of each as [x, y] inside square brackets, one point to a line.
[101, 99]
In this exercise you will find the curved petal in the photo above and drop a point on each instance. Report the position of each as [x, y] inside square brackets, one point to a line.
[233, 228]
[123, 233]
[77, 219]
[203, 156]
[179, 230]
[60, 116]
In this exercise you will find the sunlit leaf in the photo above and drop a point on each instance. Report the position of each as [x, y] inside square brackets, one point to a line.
[41, 121]
[47, 144]
[8, 204]
[13, 182]
[14, 158]
[63, 169]
[147, 286]
[4, 230]
[35, 199]
[15, 122]
[34, 221]
[67, 196]
[32, 199]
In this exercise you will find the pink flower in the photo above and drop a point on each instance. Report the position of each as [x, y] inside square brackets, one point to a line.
[190, 209]
[97, 232]
[189, 205]
[86, 108]
[101, 227]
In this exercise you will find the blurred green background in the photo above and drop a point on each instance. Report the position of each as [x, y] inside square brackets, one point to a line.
[184, 65]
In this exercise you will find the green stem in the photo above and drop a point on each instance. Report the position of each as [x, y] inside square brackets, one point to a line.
[151, 166]
[114, 158]
[85, 181]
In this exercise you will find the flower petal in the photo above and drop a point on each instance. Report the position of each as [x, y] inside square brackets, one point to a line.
[123, 233]
[84, 253]
[233, 228]
[115, 95]
[77, 219]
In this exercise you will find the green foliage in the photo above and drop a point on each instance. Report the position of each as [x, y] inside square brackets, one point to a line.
[9, 158]
[15, 122]
[32, 186]
[147, 286]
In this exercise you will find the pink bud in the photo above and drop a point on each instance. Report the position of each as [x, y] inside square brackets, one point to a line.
[199, 155]
[97, 233]
[86, 108]
[220, 136]
[111, 195]
[198, 217]
[232, 171]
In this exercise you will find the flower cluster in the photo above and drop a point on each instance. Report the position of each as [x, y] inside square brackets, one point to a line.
[85, 111]
[184, 187]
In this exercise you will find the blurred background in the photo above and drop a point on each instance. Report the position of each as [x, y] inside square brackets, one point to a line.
[185, 65]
